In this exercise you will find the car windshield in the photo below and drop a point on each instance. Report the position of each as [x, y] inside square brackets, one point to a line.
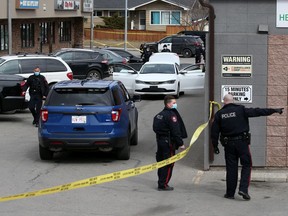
[80, 96]
[158, 68]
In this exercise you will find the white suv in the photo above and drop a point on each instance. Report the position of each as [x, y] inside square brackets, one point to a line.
[53, 68]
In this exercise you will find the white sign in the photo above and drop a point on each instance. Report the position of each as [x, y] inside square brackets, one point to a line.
[87, 6]
[282, 13]
[236, 65]
[241, 93]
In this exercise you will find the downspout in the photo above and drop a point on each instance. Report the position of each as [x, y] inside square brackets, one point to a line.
[208, 150]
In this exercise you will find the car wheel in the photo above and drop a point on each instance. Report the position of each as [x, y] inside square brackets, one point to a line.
[178, 92]
[45, 154]
[94, 74]
[134, 139]
[187, 53]
[124, 153]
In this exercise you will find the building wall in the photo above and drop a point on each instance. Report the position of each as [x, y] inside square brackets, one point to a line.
[236, 33]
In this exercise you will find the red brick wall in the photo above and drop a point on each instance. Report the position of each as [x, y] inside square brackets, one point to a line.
[277, 142]
[77, 34]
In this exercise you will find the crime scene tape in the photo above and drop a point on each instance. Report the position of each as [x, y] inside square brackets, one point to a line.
[115, 175]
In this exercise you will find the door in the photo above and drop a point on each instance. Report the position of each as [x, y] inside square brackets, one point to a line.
[142, 20]
[192, 78]
[166, 41]
[177, 45]
[126, 75]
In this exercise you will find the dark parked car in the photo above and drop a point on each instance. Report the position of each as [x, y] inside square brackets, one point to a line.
[85, 63]
[185, 45]
[88, 115]
[125, 54]
[12, 96]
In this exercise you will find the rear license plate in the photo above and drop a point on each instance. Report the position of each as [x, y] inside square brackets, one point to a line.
[79, 119]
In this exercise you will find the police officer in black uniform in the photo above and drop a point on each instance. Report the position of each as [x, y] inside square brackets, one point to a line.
[165, 49]
[232, 124]
[38, 90]
[146, 54]
[170, 130]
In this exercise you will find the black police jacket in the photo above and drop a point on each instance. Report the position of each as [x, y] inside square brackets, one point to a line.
[170, 124]
[37, 85]
[233, 120]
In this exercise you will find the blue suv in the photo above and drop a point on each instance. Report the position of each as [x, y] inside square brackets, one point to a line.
[88, 115]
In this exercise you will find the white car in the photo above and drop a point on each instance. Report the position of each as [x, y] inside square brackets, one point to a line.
[53, 68]
[156, 78]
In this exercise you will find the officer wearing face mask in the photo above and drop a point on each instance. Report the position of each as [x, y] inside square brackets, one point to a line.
[170, 132]
[38, 90]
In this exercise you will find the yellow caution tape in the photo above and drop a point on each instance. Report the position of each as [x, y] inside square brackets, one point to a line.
[115, 175]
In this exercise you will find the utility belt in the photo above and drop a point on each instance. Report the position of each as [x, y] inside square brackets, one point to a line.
[246, 137]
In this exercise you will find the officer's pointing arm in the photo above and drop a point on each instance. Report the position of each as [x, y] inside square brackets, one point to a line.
[256, 112]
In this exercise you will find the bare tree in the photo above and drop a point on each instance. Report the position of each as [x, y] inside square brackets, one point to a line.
[195, 17]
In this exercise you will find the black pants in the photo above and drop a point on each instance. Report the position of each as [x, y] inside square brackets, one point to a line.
[234, 151]
[34, 106]
[165, 150]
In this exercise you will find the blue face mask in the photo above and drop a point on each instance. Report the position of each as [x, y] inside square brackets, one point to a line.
[174, 106]
[36, 73]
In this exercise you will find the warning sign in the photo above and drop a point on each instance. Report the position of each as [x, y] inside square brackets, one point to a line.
[236, 66]
[241, 94]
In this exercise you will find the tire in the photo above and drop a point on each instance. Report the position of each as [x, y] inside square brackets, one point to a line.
[178, 92]
[134, 139]
[124, 153]
[187, 53]
[94, 74]
[45, 154]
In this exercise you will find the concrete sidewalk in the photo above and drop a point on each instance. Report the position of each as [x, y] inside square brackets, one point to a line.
[258, 175]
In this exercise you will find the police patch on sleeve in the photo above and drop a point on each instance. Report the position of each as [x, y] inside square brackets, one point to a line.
[174, 118]
[160, 117]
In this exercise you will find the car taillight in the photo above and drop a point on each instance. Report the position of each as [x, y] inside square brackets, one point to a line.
[22, 84]
[115, 114]
[70, 75]
[44, 115]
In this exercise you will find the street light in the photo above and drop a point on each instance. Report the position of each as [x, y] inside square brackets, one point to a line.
[126, 24]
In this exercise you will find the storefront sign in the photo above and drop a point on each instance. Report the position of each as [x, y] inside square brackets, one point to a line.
[236, 65]
[27, 4]
[241, 93]
[282, 13]
[67, 5]
[87, 6]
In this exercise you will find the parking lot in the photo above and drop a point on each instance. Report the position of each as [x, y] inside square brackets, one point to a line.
[196, 192]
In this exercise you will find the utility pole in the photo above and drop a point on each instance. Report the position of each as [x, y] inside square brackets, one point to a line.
[92, 26]
[9, 27]
[126, 24]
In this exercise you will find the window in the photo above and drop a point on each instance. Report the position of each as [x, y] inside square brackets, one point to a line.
[118, 13]
[10, 67]
[165, 17]
[82, 56]
[27, 35]
[28, 65]
[98, 13]
[54, 65]
[65, 31]
[47, 31]
[3, 37]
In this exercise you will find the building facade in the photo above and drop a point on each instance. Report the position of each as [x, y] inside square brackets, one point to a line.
[251, 49]
[42, 25]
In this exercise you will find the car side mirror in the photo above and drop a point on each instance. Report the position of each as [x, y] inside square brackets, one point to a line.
[136, 98]
[183, 72]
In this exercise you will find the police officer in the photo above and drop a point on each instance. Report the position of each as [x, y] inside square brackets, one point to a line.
[38, 90]
[170, 130]
[146, 54]
[165, 49]
[232, 123]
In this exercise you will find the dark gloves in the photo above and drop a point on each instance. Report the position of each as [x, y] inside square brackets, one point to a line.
[216, 150]
[280, 110]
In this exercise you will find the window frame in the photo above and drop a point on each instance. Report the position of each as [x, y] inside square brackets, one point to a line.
[4, 37]
[27, 35]
[65, 30]
[170, 17]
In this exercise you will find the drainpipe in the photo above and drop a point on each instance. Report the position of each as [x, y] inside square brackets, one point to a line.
[208, 150]
[9, 15]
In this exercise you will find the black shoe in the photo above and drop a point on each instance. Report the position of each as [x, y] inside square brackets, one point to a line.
[167, 188]
[244, 195]
[228, 197]
[33, 123]
[36, 125]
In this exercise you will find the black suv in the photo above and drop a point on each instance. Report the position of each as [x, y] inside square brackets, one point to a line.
[85, 63]
[185, 45]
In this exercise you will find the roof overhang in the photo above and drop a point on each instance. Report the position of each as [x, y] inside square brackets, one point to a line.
[167, 1]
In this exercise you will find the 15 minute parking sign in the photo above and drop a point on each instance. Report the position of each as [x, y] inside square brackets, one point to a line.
[241, 93]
